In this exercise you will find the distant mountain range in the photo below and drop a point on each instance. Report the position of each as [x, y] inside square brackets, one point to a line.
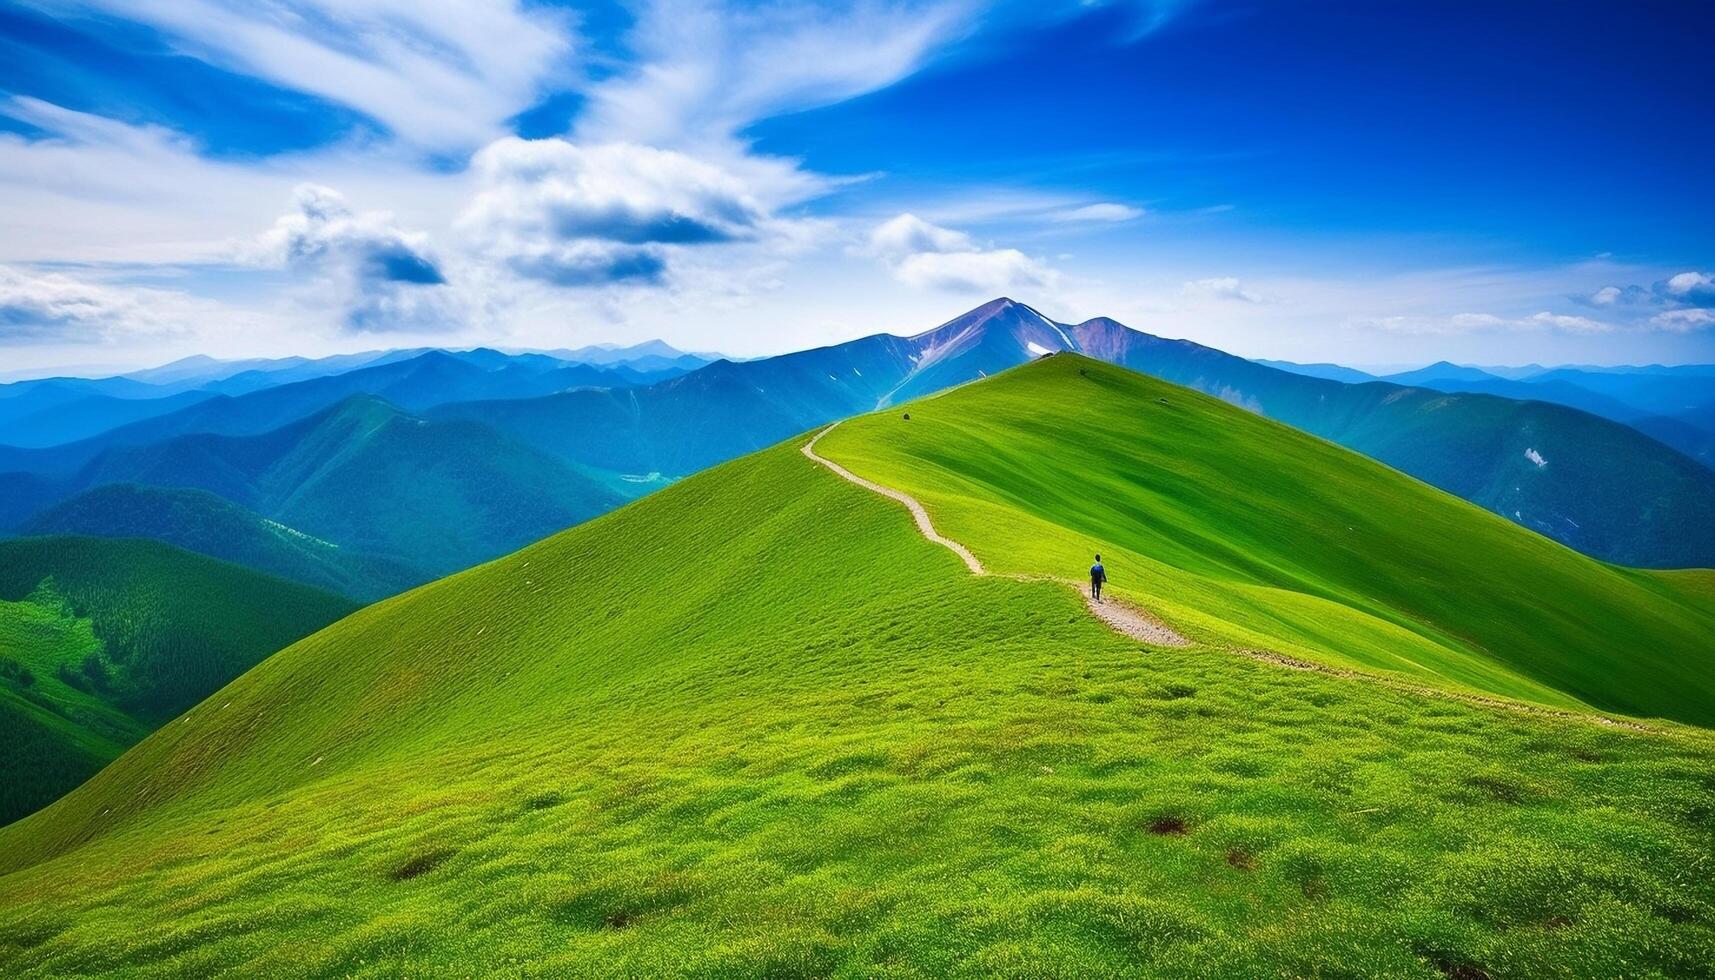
[360, 493]
[1330, 372]
[1598, 486]
[368, 473]
[207, 524]
[421, 380]
[1674, 405]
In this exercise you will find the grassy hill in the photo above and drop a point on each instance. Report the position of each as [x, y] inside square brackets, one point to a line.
[102, 641]
[754, 724]
[199, 521]
[1223, 519]
[1588, 482]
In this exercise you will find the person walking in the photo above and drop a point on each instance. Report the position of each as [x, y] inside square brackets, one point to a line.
[1098, 577]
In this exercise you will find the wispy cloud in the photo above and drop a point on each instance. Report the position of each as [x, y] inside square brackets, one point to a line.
[443, 75]
[100, 190]
[1223, 288]
[1468, 323]
[705, 69]
[1106, 211]
[1684, 321]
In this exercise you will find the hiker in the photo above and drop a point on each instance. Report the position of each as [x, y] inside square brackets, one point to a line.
[1098, 575]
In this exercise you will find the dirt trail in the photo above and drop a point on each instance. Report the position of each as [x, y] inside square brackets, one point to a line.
[1141, 626]
[918, 514]
[1131, 621]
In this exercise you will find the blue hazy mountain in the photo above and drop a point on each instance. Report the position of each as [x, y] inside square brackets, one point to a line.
[52, 414]
[418, 382]
[403, 499]
[251, 396]
[1330, 372]
[1674, 405]
[1439, 371]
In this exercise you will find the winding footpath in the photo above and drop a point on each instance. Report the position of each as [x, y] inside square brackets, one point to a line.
[1139, 625]
[918, 514]
[1131, 621]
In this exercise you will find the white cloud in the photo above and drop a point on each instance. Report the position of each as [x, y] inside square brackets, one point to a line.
[376, 276]
[442, 75]
[706, 68]
[1689, 284]
[993, 271]
[1606, 296]
[701, 71]
[321, 232]
[1535, 457]
[51, 307]
[1106, 211]
[1223, 287]
[1693, 289]
[1476, 321]
[680, 87]
[927, 256]
[904, 234]
[1569, 324]
[576, 215]
[1684, 321]
[1683, 289]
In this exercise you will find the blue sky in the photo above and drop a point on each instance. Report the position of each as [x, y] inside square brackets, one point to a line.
[1373, 183]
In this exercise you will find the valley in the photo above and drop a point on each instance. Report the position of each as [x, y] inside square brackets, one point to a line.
[103, 641]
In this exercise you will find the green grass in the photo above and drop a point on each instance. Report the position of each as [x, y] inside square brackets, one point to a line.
[56, 734]
[1248, 533]
[754, 725]
[111, 638]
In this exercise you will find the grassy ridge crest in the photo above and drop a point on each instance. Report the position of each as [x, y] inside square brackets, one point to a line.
[1257, 534]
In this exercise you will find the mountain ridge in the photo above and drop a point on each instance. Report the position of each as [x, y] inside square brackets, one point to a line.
[1607, 489]
[1480, 447]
